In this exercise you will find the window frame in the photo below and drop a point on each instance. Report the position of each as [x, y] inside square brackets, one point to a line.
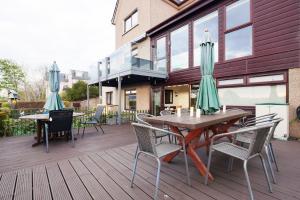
[129, 17]
[125, 102]
[171, 99]
[236, 28]
[110, 95]
[169, 44]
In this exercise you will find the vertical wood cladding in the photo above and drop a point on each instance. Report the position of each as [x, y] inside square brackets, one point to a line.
[276, 41]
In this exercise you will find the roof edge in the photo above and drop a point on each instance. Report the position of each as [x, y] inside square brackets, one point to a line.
[185, 12]
[114, 14]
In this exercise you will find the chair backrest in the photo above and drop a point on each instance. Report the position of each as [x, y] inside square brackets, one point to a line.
[165, 112]
[260, 119]
[275, 122]
[145, 136]
[60, 120]
[98, 113]
[261, 133]
[140, 118]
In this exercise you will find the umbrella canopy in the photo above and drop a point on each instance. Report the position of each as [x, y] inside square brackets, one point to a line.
[54, 101]
[207, 97]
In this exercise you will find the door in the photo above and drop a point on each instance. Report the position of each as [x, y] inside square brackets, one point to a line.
[156, 101]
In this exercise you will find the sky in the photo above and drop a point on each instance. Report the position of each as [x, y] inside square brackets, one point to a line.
[74, 33]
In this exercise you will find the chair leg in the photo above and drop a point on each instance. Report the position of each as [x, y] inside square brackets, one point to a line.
[186, 166]
[96, 127]
[46, 138]
[73, 142]
[83, 130]
[270, 163]
[134, 168]
[208, 166]
[78, 129]
[169, 136]
[273, 156]
[266, 172]
[248, 180]
[101, 128]
[157, 179]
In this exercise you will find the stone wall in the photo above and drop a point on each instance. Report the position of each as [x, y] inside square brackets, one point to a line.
[294, 101]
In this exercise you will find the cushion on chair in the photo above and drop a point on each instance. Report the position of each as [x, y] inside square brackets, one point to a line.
[90, 122]
[232, 150]
[163, 149]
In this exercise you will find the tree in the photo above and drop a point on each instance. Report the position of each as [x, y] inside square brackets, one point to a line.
[11, 75]
[78, 92]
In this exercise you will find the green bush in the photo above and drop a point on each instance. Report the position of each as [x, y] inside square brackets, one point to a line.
[5, 105]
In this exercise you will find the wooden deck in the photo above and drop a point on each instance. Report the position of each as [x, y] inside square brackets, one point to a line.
[105, 174]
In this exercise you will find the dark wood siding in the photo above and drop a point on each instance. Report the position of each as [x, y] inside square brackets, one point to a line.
[276, 40]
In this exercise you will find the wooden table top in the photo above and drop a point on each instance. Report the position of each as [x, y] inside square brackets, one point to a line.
[185, 121]
[45, 116]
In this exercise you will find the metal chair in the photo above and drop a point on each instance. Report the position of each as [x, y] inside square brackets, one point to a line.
[140, 119]
[146, 142]
[260, 134]
[252, 121]
[247, 138]
[95, 120]
[59, 121]
[166, 112]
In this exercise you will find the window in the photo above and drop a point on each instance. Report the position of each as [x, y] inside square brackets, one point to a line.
[160, 61]
[266, 78]
[168, 96]
[180, 48]
[131, 21]
[109, 98]
[130, 99]
[193, 94]
[238, 34]
[249, 96]
[236, 81]
[209, 22]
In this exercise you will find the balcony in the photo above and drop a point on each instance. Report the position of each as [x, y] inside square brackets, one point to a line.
[122, 63]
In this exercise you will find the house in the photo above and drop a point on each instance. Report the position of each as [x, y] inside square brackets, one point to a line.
[257, 53]
[132, 58]
[68, 79]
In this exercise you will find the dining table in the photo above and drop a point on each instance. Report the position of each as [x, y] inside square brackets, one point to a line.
[41, 119]
[207, 125]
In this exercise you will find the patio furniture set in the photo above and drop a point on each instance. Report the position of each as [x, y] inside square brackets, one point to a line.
[59, 123]
[251, 139]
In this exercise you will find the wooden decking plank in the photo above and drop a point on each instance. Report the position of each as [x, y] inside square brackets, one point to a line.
[108, 184]
[58, 186]
[236, 192]
[75, 185]
[41, 188]
[179, 185]
[166, 187]
[198, 185]
[24, 185]
[95, 189]
[261, 187]
[121, 180]
[7, 185]
[139, 181]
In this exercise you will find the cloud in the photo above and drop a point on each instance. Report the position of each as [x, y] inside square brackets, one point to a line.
[75, 33]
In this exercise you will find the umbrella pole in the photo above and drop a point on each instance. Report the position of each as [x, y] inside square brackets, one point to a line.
[87, 97]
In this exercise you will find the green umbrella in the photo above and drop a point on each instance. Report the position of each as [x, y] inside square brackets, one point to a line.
[207, 97]
[54, 101]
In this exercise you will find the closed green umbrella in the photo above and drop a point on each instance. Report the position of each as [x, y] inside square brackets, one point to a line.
[207, 97]
[54, 101]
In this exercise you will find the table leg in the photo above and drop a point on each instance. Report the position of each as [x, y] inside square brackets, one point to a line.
[198, 162]
[39, 133]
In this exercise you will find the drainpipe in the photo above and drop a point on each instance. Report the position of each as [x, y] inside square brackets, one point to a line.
[119, 99]
[99, 83]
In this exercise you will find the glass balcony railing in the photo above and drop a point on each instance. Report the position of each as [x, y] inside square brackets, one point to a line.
[123, 63]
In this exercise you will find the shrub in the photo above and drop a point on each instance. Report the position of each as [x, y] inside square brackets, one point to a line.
[5, 105]
[67, 104]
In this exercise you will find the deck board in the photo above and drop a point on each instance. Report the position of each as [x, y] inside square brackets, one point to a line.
[57, 184]
[106, 175]
[23, 186]
[41, 188]
[7, 185]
